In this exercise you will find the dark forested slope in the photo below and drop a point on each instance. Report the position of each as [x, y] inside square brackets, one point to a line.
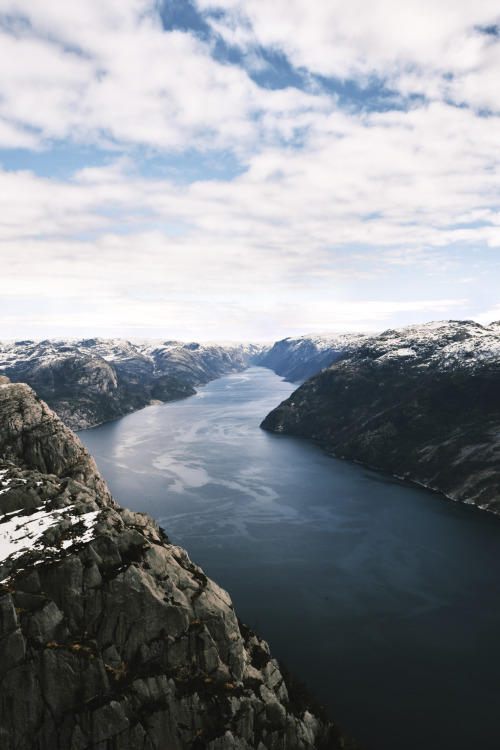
[421, 402]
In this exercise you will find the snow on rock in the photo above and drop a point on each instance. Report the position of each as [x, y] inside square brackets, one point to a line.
[114, 350]
[440, 345]
[405, 352]
[22, 532]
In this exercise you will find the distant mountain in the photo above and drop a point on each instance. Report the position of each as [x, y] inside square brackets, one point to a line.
[110, 637]
[90, 381]
[296, 359]
[421, 402]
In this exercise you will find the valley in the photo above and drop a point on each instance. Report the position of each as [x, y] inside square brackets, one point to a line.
[110, 636]
[90, 381]
[370, 588]
[420, 402]
[381, 596]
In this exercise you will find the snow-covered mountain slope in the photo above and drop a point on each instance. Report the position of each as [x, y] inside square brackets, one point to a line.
[298, 358]
[421, 402]
[110, 637]
[442, 345]
[196, 363]
[90, 381]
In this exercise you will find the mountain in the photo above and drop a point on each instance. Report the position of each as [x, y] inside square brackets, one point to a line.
[297, 359]
[90, 381]
[421, 402]
[110, 637]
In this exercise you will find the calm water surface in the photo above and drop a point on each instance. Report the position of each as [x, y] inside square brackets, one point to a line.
[382, 596]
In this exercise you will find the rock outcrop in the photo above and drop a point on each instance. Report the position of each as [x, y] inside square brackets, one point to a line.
[110, 637]
[33, 437]
[421, 402]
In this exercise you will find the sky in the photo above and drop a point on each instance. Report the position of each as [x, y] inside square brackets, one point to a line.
[247, 170]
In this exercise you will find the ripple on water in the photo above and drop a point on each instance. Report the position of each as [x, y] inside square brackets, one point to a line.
[382, 596]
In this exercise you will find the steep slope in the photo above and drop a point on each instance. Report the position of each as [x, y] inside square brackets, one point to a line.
[83, 390]
[31, 436]
[198, 364]
[110, 637]
[299, 358]
[91, 381]
[421, 402]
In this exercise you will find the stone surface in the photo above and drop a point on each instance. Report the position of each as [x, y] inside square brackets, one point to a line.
[33, 436]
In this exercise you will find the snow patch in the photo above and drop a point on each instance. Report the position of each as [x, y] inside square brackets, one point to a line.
[22, 533]
[405, 352]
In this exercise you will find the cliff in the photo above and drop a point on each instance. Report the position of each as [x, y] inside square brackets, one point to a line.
[298, 358]
[110, 637]
[421, 402]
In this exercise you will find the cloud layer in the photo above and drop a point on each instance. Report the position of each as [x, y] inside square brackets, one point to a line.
[363, 188]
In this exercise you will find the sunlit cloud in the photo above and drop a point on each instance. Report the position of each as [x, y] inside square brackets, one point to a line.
[445, 49]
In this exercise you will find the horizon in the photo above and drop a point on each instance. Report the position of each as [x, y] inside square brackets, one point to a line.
[236, 342]
[227, 170]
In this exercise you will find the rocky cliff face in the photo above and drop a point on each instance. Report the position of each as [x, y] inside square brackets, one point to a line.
[110, 637]
[90, 381]
[32, 437]
[297, 359]
[84, 390]
[422, 402]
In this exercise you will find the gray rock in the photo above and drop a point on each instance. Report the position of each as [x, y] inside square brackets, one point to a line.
[33, 436]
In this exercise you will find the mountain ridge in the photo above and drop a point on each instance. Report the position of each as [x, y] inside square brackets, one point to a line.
[91, 381]
[421, 402]
[297, 358]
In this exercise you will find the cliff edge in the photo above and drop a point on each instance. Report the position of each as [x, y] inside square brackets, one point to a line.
[110, 637]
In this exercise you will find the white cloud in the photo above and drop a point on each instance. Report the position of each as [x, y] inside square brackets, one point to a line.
[409, 185]
[331, 200]
[108, 73]
[485, 317]
[415, 46]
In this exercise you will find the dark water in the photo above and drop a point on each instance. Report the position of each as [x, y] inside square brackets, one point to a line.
[383, 597]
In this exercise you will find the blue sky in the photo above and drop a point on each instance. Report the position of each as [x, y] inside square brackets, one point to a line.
[247, 170]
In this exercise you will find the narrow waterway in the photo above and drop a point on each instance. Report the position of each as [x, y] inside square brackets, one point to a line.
[382, 596]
